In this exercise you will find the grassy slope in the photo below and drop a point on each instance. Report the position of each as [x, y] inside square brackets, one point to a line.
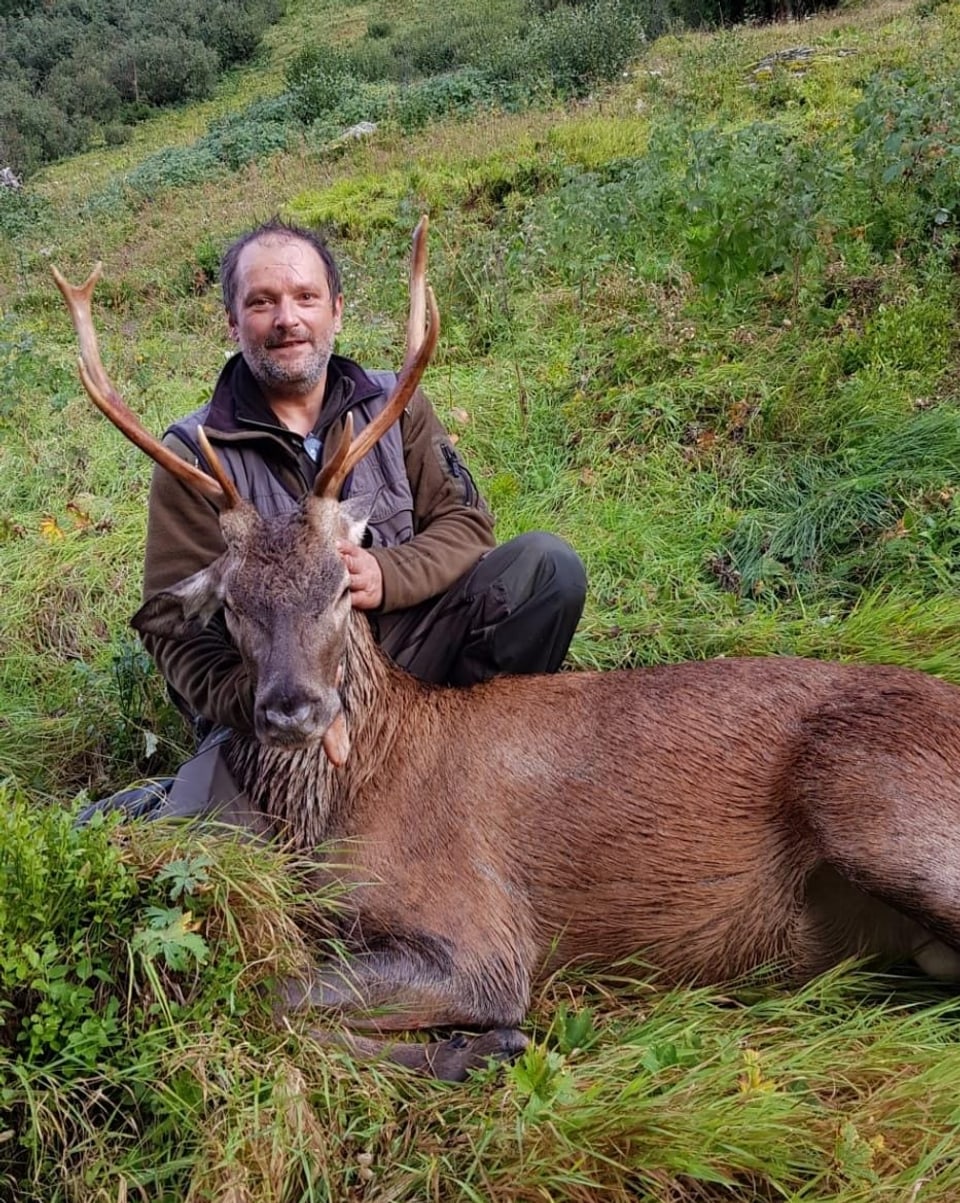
[598, 388]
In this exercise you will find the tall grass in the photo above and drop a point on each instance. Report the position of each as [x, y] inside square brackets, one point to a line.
[701, 323]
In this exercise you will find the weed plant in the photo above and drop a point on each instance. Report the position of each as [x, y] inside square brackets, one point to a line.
[701, 322]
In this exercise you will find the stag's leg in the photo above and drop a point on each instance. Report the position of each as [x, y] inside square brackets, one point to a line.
[841, 920]
[449, 1060]
[402, 987]
[882, 797]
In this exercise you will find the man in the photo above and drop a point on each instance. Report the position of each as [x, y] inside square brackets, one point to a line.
[444, 601]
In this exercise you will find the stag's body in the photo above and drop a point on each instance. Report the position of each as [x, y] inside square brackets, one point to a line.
[709, 817]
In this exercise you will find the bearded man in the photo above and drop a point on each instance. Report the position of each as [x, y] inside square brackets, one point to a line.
[444, 601]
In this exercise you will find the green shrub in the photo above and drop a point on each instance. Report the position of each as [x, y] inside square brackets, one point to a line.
[116, 134]
[756, 201]
[575, 48]
[73, 66]
[233, 31]
[248, 135]
[163, 69]
[27, 371]
[364, 102]
[34, 131]
[173, 168]
[459, 92]
[65, 913]
[907, 150]
[83, 91]
[21, 212]
[319, 78]
[441, 45]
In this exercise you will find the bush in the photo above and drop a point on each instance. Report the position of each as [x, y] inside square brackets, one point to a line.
[115, 133]
[458, 92]
[907, 150]
[755, 203]
[174, 168]
[34, 131]
[164, 70]
[436, 46]
[232, 32]
[21, 212]
[63, 914]
[318, 79]
[236, 141]
[83, 91]
[83, 61]
[582, 46]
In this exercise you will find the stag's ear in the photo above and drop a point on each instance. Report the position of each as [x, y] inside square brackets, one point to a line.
[354, 515]
[186, 608]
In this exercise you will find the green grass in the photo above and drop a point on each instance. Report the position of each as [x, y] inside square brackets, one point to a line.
[702, 324]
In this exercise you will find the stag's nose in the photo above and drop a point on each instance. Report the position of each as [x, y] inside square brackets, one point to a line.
[293, 716]
[288, 716]
[287, 721]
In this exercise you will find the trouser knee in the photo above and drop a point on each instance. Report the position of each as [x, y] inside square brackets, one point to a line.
[537, 588]
[547, 568]
[515, 611]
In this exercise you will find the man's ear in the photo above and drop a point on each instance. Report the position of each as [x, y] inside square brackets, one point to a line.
[186, 608]
[232, 326]
[354, 514]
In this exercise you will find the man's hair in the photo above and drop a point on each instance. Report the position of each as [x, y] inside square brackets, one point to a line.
[275, 228]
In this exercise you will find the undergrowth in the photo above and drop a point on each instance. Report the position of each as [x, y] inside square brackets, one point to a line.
[702, 323]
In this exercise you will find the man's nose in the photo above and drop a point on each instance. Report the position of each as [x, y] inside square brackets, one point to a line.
[284, 313]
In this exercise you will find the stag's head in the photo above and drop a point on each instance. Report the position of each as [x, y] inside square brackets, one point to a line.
[280, 582]
[283, 590]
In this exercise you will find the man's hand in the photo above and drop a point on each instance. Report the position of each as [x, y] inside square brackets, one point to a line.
[366, 579]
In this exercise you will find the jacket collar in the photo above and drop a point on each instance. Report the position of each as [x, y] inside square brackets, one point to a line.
[238, 405]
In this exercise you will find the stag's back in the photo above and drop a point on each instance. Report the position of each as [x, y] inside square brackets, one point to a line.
[677, 811]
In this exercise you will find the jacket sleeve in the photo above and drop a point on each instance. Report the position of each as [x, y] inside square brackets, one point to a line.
[453, 526]
[183, 536]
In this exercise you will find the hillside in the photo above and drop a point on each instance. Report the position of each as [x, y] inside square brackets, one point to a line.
[701, 320]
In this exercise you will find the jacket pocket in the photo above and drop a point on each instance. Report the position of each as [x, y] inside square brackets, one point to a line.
[457, 472]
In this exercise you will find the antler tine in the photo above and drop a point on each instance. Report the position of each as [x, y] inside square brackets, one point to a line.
[106, 398]
[418, 276]
[334, 466]
[231, 495]
[421, 344]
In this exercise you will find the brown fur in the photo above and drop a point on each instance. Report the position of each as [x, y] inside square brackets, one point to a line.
[709, 817]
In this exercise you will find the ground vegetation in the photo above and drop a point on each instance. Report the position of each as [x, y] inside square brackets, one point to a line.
[699, 318]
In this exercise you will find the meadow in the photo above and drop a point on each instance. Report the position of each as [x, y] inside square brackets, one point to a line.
[699, 312]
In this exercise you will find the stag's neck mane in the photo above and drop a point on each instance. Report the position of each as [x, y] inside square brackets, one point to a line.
[305, 795]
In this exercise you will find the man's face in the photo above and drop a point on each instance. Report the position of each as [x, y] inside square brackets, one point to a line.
[285, 320]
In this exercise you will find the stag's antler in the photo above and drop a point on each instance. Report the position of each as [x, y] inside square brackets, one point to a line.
[219, 487]
[421, 343]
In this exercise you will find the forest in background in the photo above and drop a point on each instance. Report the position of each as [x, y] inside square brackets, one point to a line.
[83, 72]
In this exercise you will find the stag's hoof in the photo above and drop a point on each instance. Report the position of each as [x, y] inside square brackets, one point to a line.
[451, 1060]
